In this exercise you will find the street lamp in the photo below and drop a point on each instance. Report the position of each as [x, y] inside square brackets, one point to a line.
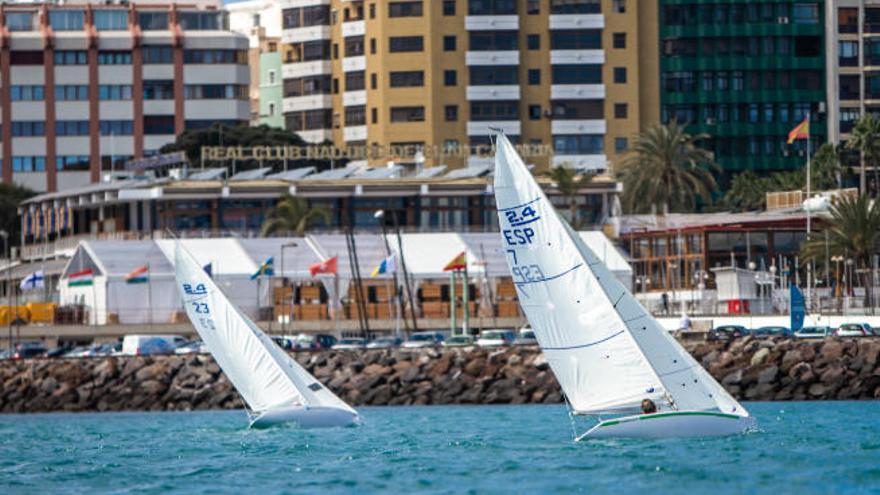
[285, 315]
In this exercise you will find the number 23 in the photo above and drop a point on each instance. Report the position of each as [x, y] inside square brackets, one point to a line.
[201, 308]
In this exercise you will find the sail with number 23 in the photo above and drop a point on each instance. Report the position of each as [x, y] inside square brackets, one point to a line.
[275, 387]
[607, 352]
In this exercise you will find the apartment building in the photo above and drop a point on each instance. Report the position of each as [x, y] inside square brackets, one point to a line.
[745, 73]
[85, 86]
[260, 21]
[424, 83]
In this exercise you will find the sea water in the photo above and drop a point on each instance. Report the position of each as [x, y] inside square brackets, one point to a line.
[801, 448]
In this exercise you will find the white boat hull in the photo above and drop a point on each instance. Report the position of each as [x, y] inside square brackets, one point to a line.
[671, 424]
[306, 417]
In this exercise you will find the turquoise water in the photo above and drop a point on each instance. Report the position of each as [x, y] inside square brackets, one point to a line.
[803, 448]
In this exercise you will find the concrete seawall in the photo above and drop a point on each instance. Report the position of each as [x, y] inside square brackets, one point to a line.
[750, 369]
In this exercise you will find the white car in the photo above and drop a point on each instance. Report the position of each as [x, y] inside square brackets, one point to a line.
[384, 343]
[197, 347]
[495, 338]
[142, 345]
[350, 345]
[854, 330]
[526, 337]
[423, 339]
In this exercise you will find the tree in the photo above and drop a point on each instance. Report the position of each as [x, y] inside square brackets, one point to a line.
[853, 231]
[826, 169]
[747, 192]
[865, 138]
[666, 168]
[569, 183]
[11, 195]
[293, 215]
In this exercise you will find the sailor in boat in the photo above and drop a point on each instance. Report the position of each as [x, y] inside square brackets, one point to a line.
[648, 407]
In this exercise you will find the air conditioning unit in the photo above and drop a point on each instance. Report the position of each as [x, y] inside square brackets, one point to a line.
[782, 20]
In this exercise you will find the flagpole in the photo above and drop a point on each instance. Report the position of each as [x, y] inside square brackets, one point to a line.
[465, 294]
[807, 204]
[150, 297]
[452, 324]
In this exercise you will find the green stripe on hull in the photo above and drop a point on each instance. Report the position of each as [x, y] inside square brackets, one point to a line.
[666, 415]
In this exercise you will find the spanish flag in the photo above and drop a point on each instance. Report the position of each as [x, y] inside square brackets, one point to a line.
[457, 263]
[802, 131]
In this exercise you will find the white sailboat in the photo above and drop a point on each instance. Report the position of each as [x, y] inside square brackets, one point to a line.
[275, 388]
[607, 352]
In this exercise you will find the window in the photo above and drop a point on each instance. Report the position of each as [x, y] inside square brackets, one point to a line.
[72, 128]
[620, 75]
[534, 76]
[153, 21]
[72, 162]
[110, 20]
[271, 109]
[578, 109]
[159, 89]
[494, 40]
[450, 113]
[27, 93]
[158, 124]
[449, 43]
[355, 80]
[215, 56]
[116, 127]
[66, 20]
[316, 50]
[21, 21]
[805, 13]
[71, 92]
[450, 145]
[354, 46]
[19, 57]
[374, 115]
[576, 39]
[618, 6]
[492, 7]
[448, 7]
[577, 74]
[534, 112]
[848, 20]
[575, 7]
[533, 7]
[309, 85]
[619, 40]
[215, 92]
[115, 57]
[578, 144]
[291, 18]
[374, 83]
[407, 114]
[494, 110]
[200, 21]
[405, 79]
[848, 53]
[70, 57]
[399, 44]
[450, 78]
[533, 41]
[356, 115]
[335, 51]
[621, 145]
[620, 110]
[158, 54]
[28, 128]
[317, 15]
[28, 163]
[405, 9]
[373, 46]
[494, 75]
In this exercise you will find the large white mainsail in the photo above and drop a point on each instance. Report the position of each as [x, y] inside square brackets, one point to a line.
[606, 351]
[267, 378]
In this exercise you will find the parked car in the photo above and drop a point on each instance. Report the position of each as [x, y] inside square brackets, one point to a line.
[495, 338]
[4, 354]
[313, 341]
[854, 330]
[143, 345]
[194, 347]
[284, 343]
[770, 331]
[94, 350]
[813, 333]
[385, 343]
[350, 345]
[25, 350]
[728, 332]
[57, 351]
[526, 337]
[424, 339]
[459, 341]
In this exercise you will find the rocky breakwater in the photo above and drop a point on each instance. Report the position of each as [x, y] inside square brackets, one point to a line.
[749, 369]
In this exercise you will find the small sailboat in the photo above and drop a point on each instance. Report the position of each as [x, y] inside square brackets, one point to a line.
[275, 388]
[607, 352]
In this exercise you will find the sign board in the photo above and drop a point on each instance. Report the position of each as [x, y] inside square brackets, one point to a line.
[156, 161]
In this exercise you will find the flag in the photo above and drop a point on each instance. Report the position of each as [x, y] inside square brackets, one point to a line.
[388, 265]
[81, 279]
[798, 308]
[457, 263]
[327, 266]
[33, 281]
[265, 269]
[802, 131]
[138, 275]
[209, 269]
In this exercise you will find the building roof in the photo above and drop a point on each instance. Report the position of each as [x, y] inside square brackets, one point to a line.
[675, 222]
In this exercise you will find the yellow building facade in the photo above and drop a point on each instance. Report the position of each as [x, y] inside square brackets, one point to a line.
[424, 83]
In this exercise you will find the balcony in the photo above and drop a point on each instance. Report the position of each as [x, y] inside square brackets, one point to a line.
[582, 162]
[354, 133]
[577, 91]
[308, 102]
[575, 57]
[488, 127]
[505, 92]
[578, 126]
[303, 34]
[353, 28]
[316, 135]
[296, 70]
[506, 57]
[354, 98]
[491, 22]
[352, 64]
[577, 21]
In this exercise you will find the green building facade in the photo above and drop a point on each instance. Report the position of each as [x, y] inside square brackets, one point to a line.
[271, 94]
[745, 73]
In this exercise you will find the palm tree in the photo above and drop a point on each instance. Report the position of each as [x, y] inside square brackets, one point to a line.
[853, 231]
[293, 215]
[569, 183]
[826, 170]
[666, 168]
[865, 138]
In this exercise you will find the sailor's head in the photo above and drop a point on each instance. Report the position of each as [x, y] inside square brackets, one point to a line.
[648, 406]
